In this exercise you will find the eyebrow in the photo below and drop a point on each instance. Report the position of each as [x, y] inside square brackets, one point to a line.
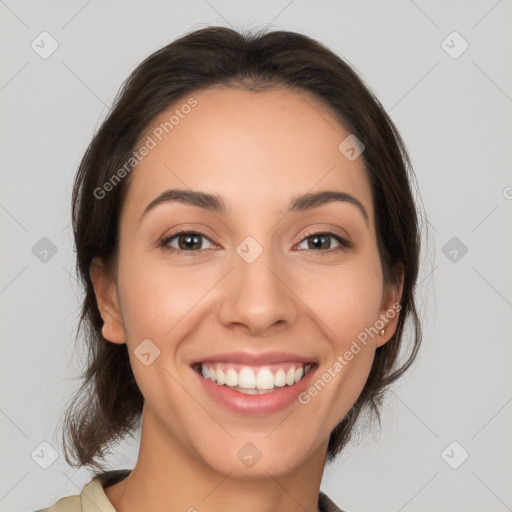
[216, 204]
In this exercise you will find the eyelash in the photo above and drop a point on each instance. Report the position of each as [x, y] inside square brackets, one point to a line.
[345, 244]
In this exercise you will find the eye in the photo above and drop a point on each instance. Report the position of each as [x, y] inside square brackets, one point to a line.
[189, 243]
[185, 243]
[321, 241]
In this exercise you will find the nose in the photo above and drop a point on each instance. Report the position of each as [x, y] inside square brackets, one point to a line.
[258, 297]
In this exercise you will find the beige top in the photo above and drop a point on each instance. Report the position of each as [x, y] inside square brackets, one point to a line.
[93, 497]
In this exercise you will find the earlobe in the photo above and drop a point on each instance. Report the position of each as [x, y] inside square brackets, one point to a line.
[108, 302]
[391, 307]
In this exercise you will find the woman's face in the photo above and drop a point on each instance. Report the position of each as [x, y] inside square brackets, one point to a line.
[257, 291]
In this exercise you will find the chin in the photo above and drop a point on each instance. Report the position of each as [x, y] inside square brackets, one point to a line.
[254, 457]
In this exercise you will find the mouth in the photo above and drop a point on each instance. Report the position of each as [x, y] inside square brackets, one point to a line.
[253, 379]
[254, 384]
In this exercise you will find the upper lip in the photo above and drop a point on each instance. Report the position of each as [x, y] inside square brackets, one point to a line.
[253, 359]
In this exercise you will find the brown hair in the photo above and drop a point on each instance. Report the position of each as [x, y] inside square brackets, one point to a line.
[109, 404]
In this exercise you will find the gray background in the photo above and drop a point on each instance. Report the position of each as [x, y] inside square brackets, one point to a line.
[455, 117]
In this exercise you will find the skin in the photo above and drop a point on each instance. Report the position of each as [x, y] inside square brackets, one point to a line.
[241, 145]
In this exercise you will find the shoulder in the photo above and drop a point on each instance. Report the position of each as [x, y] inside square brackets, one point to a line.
[325, 504]
[92, 495]
[67, 504]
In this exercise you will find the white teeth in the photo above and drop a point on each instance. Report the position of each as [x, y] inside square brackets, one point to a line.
[265, 379]
[246, 378]
[252, 391]
[231, 377]
[246, 381]
[221, 379]
[290, 376]
[280, 378]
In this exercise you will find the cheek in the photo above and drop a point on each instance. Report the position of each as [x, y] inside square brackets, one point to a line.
[347, 300]
[157, 295]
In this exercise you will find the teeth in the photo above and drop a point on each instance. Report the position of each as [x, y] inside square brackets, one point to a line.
[231, 377]
[246, 381]
[279, 378]
[265, 379]
[253, 391]
[290, 376]
[221, 379]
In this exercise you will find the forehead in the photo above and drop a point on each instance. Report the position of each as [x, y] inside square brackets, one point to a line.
[249, 147]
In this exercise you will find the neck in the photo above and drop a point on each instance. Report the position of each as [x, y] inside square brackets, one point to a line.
[168, 477]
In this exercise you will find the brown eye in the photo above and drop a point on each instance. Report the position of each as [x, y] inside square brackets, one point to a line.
[322, 241]
[185, 241]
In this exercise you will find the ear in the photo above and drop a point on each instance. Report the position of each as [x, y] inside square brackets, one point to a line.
[108, 302]
[390, 308]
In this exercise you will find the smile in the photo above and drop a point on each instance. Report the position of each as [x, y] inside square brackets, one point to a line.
[254, 380]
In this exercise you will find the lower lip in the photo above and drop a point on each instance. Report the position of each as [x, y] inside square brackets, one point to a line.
[256, 405]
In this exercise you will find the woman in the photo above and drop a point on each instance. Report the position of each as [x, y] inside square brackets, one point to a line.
[249, 246]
